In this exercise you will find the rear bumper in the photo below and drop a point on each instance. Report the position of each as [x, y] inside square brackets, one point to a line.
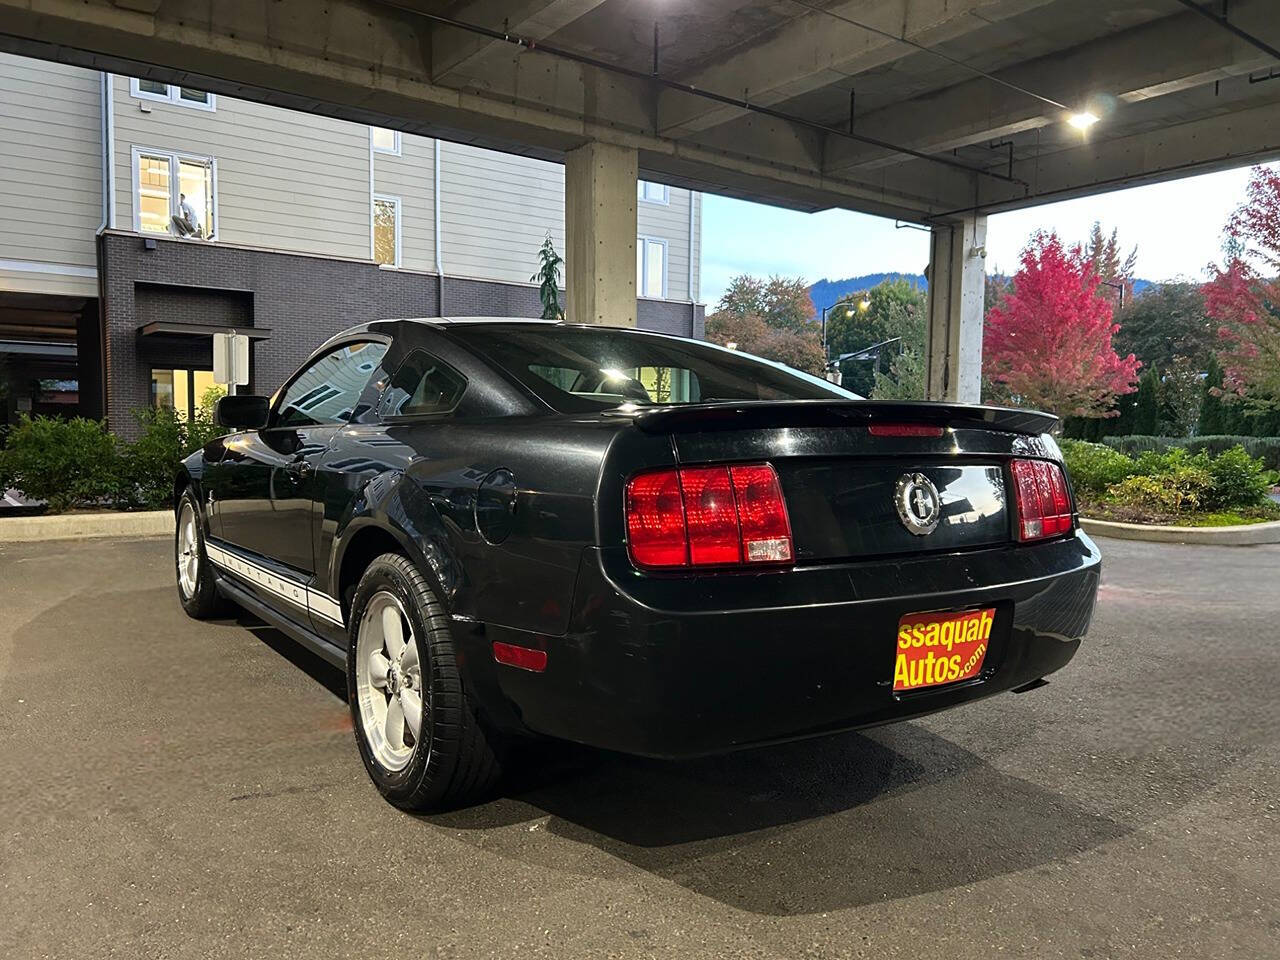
[685, 666]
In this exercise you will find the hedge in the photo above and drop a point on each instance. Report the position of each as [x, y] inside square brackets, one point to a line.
[1170, 481]
[78, 463]
[1266, 449]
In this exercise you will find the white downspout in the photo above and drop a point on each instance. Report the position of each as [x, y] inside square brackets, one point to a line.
[693, 300]
[107, 87]
[435, 195]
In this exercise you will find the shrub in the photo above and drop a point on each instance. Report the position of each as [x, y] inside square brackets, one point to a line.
[1179, 490]
[1238, 480]
[67, 463]
[1181, 480]
[150, 462]
[1094, 467]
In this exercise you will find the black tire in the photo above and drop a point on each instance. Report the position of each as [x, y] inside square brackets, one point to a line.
[204, 602]
[454, 761]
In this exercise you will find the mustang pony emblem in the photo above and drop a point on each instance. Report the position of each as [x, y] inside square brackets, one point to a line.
[918, 503]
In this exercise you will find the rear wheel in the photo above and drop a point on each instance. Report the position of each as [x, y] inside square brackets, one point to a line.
[196, 588]
[416, 729]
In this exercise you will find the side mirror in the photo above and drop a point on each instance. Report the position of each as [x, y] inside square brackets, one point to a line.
[242, 412]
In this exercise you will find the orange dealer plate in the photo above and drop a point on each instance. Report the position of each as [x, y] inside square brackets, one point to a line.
[939, 648]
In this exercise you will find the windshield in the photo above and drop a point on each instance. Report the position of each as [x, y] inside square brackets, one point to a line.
[581, 370]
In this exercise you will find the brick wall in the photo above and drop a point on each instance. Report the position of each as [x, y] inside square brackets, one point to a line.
[302, 301]
[671, 316]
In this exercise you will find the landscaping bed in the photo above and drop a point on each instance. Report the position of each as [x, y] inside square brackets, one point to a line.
[1171, 487]
[1123, 513]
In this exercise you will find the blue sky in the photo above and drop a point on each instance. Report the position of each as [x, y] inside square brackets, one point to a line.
[1176, 226]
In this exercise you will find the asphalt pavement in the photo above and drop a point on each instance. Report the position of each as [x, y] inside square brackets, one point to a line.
[178, 789]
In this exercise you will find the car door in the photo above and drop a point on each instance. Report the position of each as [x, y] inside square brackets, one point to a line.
[266, 488]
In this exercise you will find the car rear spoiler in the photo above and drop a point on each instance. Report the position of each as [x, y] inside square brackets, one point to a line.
[695, 417]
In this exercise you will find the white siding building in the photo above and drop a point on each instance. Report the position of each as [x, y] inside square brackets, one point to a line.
[136, 216]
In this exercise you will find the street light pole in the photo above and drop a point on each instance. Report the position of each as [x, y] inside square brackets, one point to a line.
[864, 305]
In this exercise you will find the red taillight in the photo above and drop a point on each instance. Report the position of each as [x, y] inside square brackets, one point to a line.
[904, 429]
[655, 520]
[1044, 509]
[711, 517]
[762, 512]
[708, 517]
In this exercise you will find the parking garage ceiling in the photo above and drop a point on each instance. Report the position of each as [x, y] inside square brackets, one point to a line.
[909, 108]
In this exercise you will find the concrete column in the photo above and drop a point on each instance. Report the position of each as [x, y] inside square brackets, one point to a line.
[600, 227]
[953, 344]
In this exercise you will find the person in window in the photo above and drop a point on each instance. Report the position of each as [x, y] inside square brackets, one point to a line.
[187, 223]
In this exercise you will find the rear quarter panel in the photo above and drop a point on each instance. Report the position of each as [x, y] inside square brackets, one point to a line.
[421, 481]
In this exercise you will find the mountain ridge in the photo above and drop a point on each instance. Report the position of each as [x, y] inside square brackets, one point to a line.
[825, 292]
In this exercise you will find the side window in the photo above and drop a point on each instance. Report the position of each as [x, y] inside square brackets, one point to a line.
[326, 392]
[422, 386]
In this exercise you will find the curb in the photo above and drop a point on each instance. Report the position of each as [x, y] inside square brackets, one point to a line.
[77, 526]
[1244, 535]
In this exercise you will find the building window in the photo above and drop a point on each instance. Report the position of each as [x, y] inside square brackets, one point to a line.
[651, 267]
[653, 192]
[174, 194]
[185, 391]
[171, 93]
[384, 140]
[386, 230]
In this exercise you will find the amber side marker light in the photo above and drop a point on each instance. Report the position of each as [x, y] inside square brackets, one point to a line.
[526, 658]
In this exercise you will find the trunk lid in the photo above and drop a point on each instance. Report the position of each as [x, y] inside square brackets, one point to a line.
[849, 491]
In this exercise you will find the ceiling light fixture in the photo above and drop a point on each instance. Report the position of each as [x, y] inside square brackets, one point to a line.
[1083, 120]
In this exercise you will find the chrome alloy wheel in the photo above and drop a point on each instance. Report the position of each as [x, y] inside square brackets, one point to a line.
[388, 682]
[188, 551]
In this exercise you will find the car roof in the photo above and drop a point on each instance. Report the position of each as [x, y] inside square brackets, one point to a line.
[445, 323]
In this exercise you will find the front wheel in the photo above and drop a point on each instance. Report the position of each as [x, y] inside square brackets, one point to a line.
[196, 589]
[416, 729]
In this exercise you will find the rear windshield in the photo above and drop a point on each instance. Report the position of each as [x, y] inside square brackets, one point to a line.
[581, 370]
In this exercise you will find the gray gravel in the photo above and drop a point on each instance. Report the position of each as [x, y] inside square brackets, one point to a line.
[175, 789]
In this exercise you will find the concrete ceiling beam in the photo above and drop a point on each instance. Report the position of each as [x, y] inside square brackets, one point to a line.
[455, 52]
[1156, 59]
[816, 50]
[1219, 141]
[369, 63]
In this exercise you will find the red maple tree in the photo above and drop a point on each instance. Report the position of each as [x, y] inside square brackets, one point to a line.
[1243, 295]
[1048, 341]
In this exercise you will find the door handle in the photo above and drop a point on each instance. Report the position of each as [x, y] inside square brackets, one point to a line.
[299, 468]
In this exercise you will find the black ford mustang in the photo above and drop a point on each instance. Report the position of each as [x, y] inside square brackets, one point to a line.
[654, 545]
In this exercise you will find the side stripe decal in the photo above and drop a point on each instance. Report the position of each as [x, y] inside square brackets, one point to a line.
[291, 591]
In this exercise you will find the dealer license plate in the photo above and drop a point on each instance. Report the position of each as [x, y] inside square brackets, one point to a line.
[934, 649]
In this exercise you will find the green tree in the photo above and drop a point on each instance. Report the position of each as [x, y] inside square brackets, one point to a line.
[1114, 271]
[1180, 393]
[745, 331]
[905, 377]
[1165, 321]
[1146, 417]
[794, 348]
[548, 277]
[895, 309]
[771, 319]
[744, 296]
[1213, 414]
[786, 305]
